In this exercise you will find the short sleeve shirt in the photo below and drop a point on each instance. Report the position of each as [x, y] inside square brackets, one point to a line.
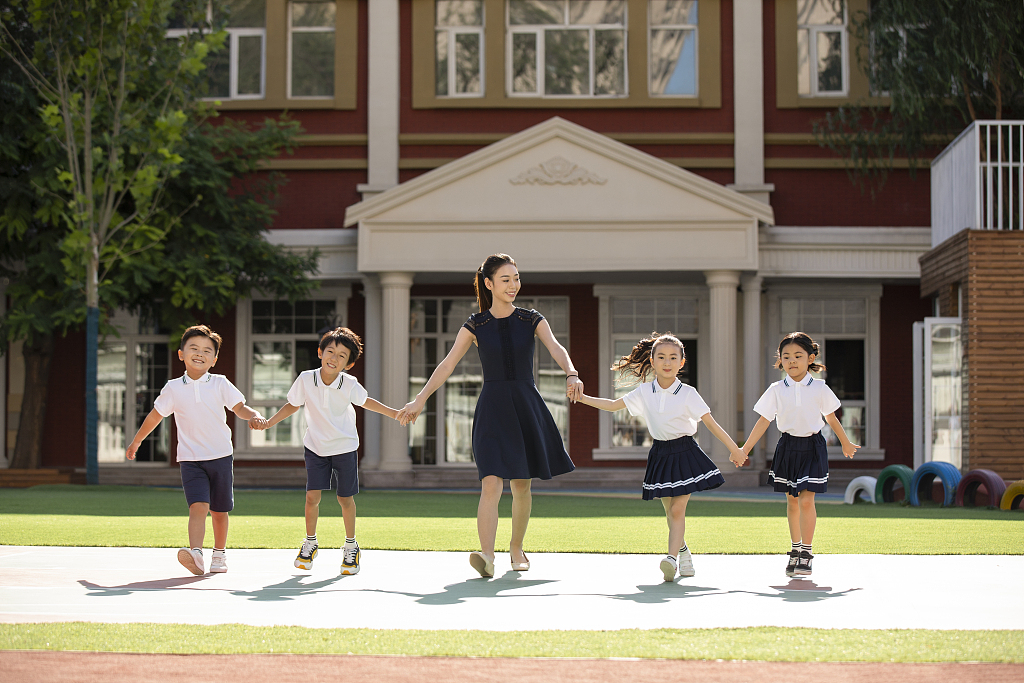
[198, 407]
[669, 413]
[797, 407]
[330, 417]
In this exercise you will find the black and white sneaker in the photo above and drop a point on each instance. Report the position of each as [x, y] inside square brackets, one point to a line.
[307, 553]
[794, 559]
[803, 565]
[350, 559]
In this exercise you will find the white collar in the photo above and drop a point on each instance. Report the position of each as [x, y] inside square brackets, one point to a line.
[806, 382]
[205, 378]
[656, 388]
[336, 384]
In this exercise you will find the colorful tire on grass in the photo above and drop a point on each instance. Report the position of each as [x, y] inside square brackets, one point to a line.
[967, 489]
[1013, 497]
[926, 474]
[858, 486]
[888, 477]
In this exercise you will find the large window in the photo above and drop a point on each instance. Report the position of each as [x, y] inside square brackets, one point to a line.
[840, 328]
[131, 371]
[237, 71]
[633, 318]
[568, 48]
[822, 48]
[444, 431]
[311, 49]
[459, 35]
[284, 340]
[673, 47]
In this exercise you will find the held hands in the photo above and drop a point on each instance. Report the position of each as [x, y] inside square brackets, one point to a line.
[573, 388]
[258, 423]
[738, 457]
[409, 413]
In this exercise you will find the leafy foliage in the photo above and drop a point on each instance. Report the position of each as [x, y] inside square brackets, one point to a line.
[942, 64]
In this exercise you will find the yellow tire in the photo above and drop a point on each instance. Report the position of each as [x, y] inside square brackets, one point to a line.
[1013, 498]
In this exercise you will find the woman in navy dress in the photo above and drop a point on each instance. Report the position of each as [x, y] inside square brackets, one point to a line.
[514, 435]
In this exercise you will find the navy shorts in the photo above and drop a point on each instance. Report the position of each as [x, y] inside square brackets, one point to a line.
[209, 481]
[343, 468]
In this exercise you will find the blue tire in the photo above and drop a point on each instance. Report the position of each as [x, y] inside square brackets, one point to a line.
[921, 484]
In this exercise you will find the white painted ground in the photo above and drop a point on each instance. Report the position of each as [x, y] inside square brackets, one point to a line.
[424, 590]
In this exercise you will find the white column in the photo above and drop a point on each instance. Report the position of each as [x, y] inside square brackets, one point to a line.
[371, 369]
[748, 91]
[394, 347]
[753, 376]
[383, 98]
[722, 354]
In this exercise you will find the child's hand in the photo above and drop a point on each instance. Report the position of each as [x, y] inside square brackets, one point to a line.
[738, 457]
[574, 389]
[849, 448]
[409, 413]
[131, 450]
[258, 423]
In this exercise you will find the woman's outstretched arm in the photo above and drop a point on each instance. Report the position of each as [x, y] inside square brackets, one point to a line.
[573, 385]
[441, 373]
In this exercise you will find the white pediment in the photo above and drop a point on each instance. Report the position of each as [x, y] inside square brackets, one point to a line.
[559, 197]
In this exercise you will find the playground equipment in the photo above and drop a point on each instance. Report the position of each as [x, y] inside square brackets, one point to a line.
[925, 475]
[967, 489]
[888, 477]
[1013, 497]
[860, 488]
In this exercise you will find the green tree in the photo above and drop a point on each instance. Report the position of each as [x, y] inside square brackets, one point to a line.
[942, 64]
[119, 227]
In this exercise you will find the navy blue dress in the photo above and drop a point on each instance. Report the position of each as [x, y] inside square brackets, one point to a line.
[514, 435]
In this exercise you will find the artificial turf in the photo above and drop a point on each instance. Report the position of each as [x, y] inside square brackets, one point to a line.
[762, 643]
[154, 517]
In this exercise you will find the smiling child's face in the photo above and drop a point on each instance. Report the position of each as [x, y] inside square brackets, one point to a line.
[199, 355]
[335, 358]
[667, 360]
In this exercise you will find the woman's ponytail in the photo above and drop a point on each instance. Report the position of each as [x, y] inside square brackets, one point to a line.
[486, 272]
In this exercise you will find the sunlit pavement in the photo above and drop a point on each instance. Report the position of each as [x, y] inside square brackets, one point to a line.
[433, 590]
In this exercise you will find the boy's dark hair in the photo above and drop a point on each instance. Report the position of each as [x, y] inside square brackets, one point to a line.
[804, 341]
[342, 336]
[638, 362]
[202, 331]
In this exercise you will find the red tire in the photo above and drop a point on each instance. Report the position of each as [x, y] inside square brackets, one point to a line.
[967, 489]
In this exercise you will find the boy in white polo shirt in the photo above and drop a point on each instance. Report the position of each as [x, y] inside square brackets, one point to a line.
[331, 439]
[197, 399]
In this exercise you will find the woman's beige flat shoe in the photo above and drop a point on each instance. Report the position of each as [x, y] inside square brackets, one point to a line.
[480, 563]
[521, 566]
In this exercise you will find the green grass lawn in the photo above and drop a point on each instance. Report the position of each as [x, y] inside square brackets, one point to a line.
[764, 644]
[152, 517]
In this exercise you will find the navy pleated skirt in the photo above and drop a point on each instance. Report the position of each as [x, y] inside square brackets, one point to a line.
[679, 467]
[800, 463]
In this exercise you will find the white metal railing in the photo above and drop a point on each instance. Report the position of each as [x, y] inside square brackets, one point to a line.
[978, 180]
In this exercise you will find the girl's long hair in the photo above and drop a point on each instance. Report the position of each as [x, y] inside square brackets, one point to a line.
[637, 365]
[486, 272]
[804, 341]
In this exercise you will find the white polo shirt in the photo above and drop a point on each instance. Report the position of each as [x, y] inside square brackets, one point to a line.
[198, 409]
[330, 417]
[797, 407]
[670, 413]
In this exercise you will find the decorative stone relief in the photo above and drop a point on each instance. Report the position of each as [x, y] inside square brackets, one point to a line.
[557, 171]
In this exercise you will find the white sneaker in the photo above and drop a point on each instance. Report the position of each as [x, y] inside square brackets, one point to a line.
[686, 564]
[350, 559]
[192, 560]
[668, 567]
[219, 562]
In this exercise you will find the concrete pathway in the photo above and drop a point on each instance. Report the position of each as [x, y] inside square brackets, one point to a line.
[426, 590]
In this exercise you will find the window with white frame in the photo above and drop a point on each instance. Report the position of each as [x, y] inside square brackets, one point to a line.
[443, 434]
[131, 371]
[632, 319]
[284, 339]
[459, 51]
[840, 328]
[239, 70]
[566, 48]
[822, 59]
[673, 47]
[311, 49]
